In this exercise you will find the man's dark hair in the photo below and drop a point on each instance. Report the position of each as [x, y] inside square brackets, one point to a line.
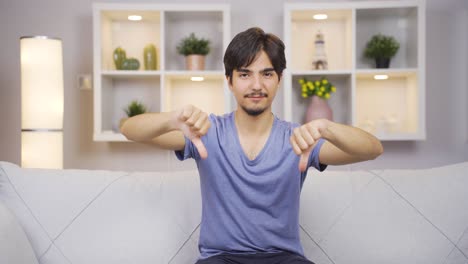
[245, 46]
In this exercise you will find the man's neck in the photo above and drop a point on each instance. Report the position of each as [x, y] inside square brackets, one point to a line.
[248, 125]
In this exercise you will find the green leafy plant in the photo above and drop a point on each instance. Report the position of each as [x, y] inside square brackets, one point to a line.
[381, 46]
[192, 45]
[321, 88]
[135, 108]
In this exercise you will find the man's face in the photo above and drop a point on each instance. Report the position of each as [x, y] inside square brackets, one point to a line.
[255, 85]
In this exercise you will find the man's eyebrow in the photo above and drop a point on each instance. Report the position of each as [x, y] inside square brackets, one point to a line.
[244, 70]
[261, 71]
[267, 70]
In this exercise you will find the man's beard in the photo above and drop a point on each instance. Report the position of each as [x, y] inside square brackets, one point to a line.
[253, 112]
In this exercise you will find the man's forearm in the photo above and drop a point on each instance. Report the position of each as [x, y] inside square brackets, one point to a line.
[352, 140]
[147, 126]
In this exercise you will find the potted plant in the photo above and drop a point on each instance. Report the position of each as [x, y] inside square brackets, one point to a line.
[381, 48]
[194, 49]
[319, 91]
[132, 109]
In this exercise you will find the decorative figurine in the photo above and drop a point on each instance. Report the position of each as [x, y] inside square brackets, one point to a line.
[319, 61]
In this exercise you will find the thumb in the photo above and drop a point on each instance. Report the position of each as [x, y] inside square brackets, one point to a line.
[200, 147]
[304, 160]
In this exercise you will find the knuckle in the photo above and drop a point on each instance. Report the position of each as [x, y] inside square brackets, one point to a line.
[316, 135]
[297, 131]
[189, 122]
[185, 115]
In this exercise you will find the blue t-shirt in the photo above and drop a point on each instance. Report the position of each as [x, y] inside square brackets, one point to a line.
[249, 206]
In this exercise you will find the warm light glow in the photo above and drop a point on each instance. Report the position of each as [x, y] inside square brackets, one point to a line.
[42, 149]
[134, 18]
[41, 102]
[320, 16]
[197, 78]
[41, 83]
[381, 77]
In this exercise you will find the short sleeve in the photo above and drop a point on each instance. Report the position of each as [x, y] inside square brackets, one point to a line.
[190, 151]
[314, 156]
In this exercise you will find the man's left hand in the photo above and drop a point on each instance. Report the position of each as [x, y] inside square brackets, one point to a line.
[304, 138]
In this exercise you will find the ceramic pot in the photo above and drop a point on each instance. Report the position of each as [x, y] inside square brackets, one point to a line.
[318, 108]
[195, 62]
[382, 63]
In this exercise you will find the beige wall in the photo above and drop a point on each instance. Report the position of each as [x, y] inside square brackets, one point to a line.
[446, 98]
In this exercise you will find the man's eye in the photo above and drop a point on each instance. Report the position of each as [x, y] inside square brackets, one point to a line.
[268, 74]
[243, 75]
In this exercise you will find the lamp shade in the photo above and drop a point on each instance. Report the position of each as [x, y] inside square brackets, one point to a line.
[41, 102]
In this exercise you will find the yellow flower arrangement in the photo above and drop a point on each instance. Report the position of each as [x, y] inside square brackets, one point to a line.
[321, 88]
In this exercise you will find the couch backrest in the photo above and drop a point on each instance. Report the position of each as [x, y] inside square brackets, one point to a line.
[388, 216]
[84, 216]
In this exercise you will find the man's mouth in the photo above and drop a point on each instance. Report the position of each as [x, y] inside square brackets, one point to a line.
[256, 95]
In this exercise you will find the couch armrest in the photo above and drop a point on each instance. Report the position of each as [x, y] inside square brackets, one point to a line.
[14, 245]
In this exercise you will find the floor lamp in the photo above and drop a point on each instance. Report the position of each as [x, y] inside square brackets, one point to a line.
[41, 102]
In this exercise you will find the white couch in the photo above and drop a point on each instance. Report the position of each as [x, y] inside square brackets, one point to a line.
[85, 216]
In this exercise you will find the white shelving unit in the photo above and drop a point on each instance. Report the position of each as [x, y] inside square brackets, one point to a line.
[392, 109]
[168, 87]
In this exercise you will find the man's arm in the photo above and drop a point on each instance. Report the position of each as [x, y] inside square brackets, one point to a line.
[344, 144]
[166, 130]
[347, 144]
[146, 128]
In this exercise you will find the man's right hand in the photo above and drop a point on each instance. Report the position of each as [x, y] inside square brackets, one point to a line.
[194, 123]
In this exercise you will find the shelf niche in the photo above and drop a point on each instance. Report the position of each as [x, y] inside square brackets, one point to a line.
[118, 92]
[205, 24]
[339, 101]
[401, 23]
[132, 36]
[337, 32]
[389, 107]
[206, 94]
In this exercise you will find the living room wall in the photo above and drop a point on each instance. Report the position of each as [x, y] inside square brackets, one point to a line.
[446, 80]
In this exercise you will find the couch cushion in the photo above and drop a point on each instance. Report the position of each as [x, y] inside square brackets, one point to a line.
[380, 227]
[46, 202]
[437, 193]
[387, 216]
[330, 193]
[142, 218]
[14, 245]
[90, 216]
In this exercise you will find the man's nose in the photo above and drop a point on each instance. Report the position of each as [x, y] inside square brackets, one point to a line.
[257, 82]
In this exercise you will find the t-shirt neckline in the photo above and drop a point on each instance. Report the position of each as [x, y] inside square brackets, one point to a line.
[239, 146]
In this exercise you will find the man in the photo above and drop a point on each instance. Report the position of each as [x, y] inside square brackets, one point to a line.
[251, 164]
